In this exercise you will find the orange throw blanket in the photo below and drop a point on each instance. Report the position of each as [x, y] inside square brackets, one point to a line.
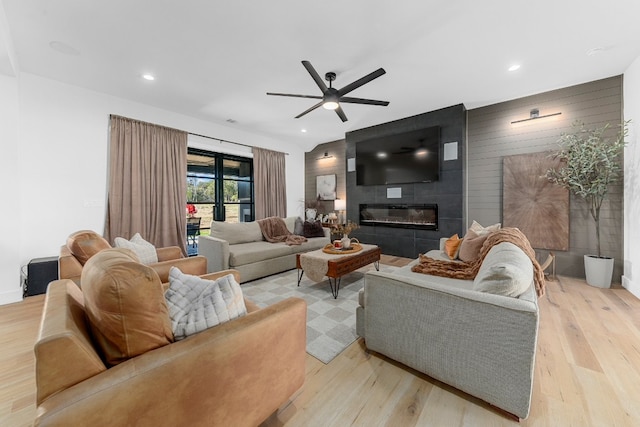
[275, 230]
[469, 270]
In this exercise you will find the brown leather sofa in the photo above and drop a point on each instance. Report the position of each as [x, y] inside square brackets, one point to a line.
[234, 374]
[83, 244]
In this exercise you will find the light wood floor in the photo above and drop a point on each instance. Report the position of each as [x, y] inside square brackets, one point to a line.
[587, 372]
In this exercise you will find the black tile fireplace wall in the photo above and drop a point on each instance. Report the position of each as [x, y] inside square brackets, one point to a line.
[447, 193]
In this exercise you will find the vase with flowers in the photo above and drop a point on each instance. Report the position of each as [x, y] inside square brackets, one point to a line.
[345, 230]
[191, 210]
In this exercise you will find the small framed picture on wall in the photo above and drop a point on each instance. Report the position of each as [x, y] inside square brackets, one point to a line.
[326, 187]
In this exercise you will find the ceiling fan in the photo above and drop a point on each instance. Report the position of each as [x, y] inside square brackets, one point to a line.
[332, 97]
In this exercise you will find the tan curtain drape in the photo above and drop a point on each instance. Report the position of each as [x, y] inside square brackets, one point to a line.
[269, 183]
[147, 183]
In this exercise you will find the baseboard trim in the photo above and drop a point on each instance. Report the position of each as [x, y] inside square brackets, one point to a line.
[632, 287]
[10, 297]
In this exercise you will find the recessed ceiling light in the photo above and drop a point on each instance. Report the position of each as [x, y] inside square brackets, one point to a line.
[595, 51]
[303, 130]
[148, 77]
[514, 67]
[63, 48]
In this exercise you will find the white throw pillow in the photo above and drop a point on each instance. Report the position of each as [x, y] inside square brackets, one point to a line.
[477, 228]
[145, 251]
[197, 304]
[506, 270]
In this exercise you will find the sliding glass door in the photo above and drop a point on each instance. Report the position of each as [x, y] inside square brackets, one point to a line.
[220, 187]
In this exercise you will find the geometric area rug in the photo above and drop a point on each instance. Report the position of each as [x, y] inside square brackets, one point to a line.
[331, 323]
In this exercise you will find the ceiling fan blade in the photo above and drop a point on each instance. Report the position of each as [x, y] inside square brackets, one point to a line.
[315, 76]
[309, 110]
[363, 101]
[341, 114]
[295, 96]
[364, 80]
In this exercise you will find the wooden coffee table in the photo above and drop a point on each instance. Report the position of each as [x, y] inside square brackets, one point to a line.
[341, 264]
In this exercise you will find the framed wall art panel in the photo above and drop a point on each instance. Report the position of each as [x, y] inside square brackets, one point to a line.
[326, 187]
[531, 203]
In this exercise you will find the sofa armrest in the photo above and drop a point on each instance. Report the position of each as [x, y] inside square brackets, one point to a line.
[221, 273]
[237, 373]
[169, 253]
[64, 351]
[195, 265]
[482, 344]
[216, 251]
[327, 232]
[68, 266]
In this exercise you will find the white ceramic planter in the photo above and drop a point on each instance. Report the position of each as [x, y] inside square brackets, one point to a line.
[598, 271]
[311, 214]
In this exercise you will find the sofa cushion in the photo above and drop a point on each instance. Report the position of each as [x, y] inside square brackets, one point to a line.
[86, 243]
[471, 245]
[477, 228]
[313, 229]
[506, 270]
[196, 304]
[290, 222]
[248, 253]
[145, 251]
[452, 246]
[234, 233]
[125, 305]
[298, 227]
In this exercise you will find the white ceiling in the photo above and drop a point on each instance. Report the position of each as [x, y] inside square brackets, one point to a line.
[215, 60]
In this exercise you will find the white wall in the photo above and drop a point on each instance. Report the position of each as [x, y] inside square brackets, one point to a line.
[60, 164]
[10, 213]
[631, 277]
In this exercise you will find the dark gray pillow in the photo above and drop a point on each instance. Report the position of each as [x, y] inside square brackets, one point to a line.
[313, 229]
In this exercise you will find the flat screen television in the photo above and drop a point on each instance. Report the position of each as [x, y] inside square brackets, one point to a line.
[399, 159]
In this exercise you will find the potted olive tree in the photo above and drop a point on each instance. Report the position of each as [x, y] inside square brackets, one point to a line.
[591, 162]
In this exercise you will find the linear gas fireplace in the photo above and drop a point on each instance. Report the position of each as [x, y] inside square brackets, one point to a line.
[424, 217]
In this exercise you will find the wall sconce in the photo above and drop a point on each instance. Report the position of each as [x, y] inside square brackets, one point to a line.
[535, 114]
[325, 156]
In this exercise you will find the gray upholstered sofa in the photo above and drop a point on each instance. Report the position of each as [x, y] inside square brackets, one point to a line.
[241, 246]
[481, 343]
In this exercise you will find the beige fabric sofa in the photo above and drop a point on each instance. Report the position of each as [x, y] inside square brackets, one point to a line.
[481, 343]
[241, 246]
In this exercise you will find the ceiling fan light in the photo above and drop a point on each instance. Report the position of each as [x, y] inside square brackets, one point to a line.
[330, 105]
[421, 152]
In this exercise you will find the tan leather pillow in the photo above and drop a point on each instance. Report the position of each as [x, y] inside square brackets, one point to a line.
[471, 245]
[125, 304]
[452, 246]
[86, 243]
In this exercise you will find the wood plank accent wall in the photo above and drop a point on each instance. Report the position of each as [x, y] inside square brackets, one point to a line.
[335, 165]
[491, 136]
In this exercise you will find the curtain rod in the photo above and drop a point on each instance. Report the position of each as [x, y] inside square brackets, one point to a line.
[191, 133]
[229, 142]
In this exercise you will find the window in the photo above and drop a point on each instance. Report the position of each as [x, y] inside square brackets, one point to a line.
[220, 186]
